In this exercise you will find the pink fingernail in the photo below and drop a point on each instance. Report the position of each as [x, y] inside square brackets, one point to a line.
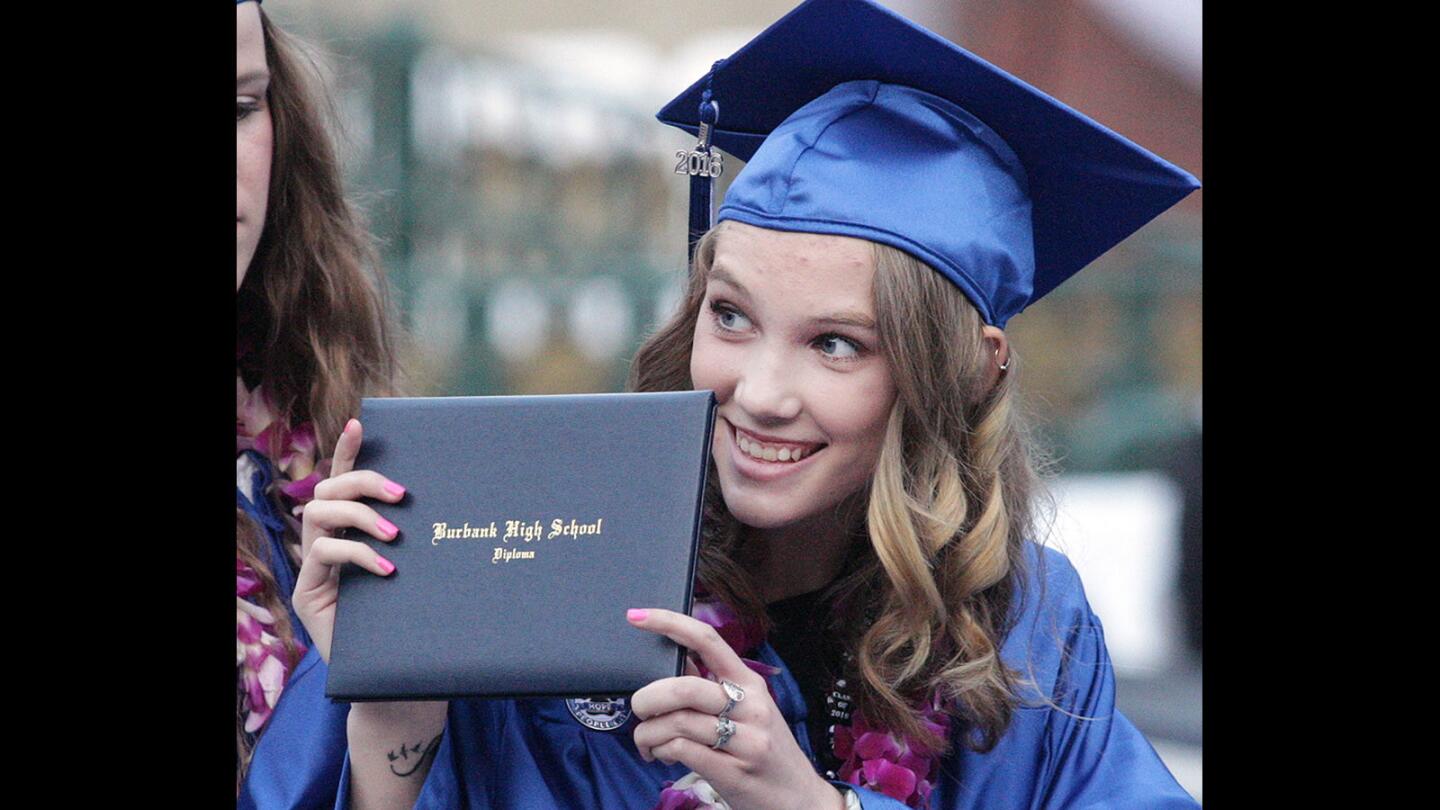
[387, 527]
[636, 614]
[385, 564]
[352, 424]
[394, 488]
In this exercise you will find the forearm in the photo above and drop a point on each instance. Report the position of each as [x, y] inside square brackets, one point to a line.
[392, 746]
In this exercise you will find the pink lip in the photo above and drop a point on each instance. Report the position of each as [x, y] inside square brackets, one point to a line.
[767, 439]
[761, 470]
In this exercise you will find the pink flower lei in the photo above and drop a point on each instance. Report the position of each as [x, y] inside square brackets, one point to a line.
[880, 760]
[292, 450]
[260, 657]
[886, 762]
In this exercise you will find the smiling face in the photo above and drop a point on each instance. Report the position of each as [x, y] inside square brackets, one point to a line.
[786, 339]
[254, 136]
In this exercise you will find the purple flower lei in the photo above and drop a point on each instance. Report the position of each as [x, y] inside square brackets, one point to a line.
[260, 657]
[886, 762]
[261, 660]
[901, 767]
[293, 450]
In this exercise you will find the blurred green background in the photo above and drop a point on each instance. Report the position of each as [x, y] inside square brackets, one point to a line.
[508, 156]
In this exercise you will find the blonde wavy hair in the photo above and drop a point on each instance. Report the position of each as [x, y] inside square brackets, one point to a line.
[933, 579]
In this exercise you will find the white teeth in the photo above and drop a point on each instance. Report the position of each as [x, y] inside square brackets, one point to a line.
[755, 449]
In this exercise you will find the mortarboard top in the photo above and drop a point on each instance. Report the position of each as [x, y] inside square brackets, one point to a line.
[857, 122]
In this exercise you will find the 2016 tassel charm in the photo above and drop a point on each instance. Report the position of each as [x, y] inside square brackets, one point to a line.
[703, 160]
[703, 164]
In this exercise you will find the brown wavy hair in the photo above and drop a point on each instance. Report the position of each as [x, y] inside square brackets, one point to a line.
[926, 597]
[313, 307]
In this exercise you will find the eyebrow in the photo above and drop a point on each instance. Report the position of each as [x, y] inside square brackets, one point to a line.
[847, 319]
[718, 273]
[843, 318]
[252, 76]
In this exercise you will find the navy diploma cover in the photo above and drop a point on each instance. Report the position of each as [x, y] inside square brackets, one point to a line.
[529, 525]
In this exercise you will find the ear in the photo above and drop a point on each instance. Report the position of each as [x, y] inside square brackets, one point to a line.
[998, 347]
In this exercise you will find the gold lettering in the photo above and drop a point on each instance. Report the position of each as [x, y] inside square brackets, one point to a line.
[503, 554]
[443, 531]
[518, 530]
[521, 530]
[574, 528]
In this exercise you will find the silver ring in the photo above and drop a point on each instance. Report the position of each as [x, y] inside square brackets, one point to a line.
[733, 694]
[724, 730]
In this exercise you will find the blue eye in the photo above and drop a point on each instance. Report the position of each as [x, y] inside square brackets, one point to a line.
[728, 318]
[838, 347]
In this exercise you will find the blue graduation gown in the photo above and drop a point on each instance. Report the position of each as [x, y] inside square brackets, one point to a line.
[532, 755]
[297, 759]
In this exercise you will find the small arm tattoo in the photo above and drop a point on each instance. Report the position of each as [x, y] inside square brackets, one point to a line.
[411, 757]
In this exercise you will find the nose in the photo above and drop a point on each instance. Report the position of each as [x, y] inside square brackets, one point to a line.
[767, 389]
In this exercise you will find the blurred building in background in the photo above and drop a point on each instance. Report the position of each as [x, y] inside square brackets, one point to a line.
[509, 156]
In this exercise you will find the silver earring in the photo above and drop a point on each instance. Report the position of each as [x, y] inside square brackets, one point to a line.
[1005, 366]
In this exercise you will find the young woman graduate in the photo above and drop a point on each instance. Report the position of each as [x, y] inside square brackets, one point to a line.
[312, 337]
[880, 629]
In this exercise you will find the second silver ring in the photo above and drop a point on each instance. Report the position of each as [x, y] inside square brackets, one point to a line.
[733, 694]
[724, 730]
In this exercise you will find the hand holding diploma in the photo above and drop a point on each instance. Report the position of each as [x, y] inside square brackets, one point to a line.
[335, 507]
[757, 764]
[375, 730]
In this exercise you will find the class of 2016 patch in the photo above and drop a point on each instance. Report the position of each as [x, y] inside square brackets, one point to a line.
[600, 714]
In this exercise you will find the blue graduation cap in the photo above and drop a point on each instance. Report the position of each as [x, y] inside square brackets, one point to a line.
[857, 122]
